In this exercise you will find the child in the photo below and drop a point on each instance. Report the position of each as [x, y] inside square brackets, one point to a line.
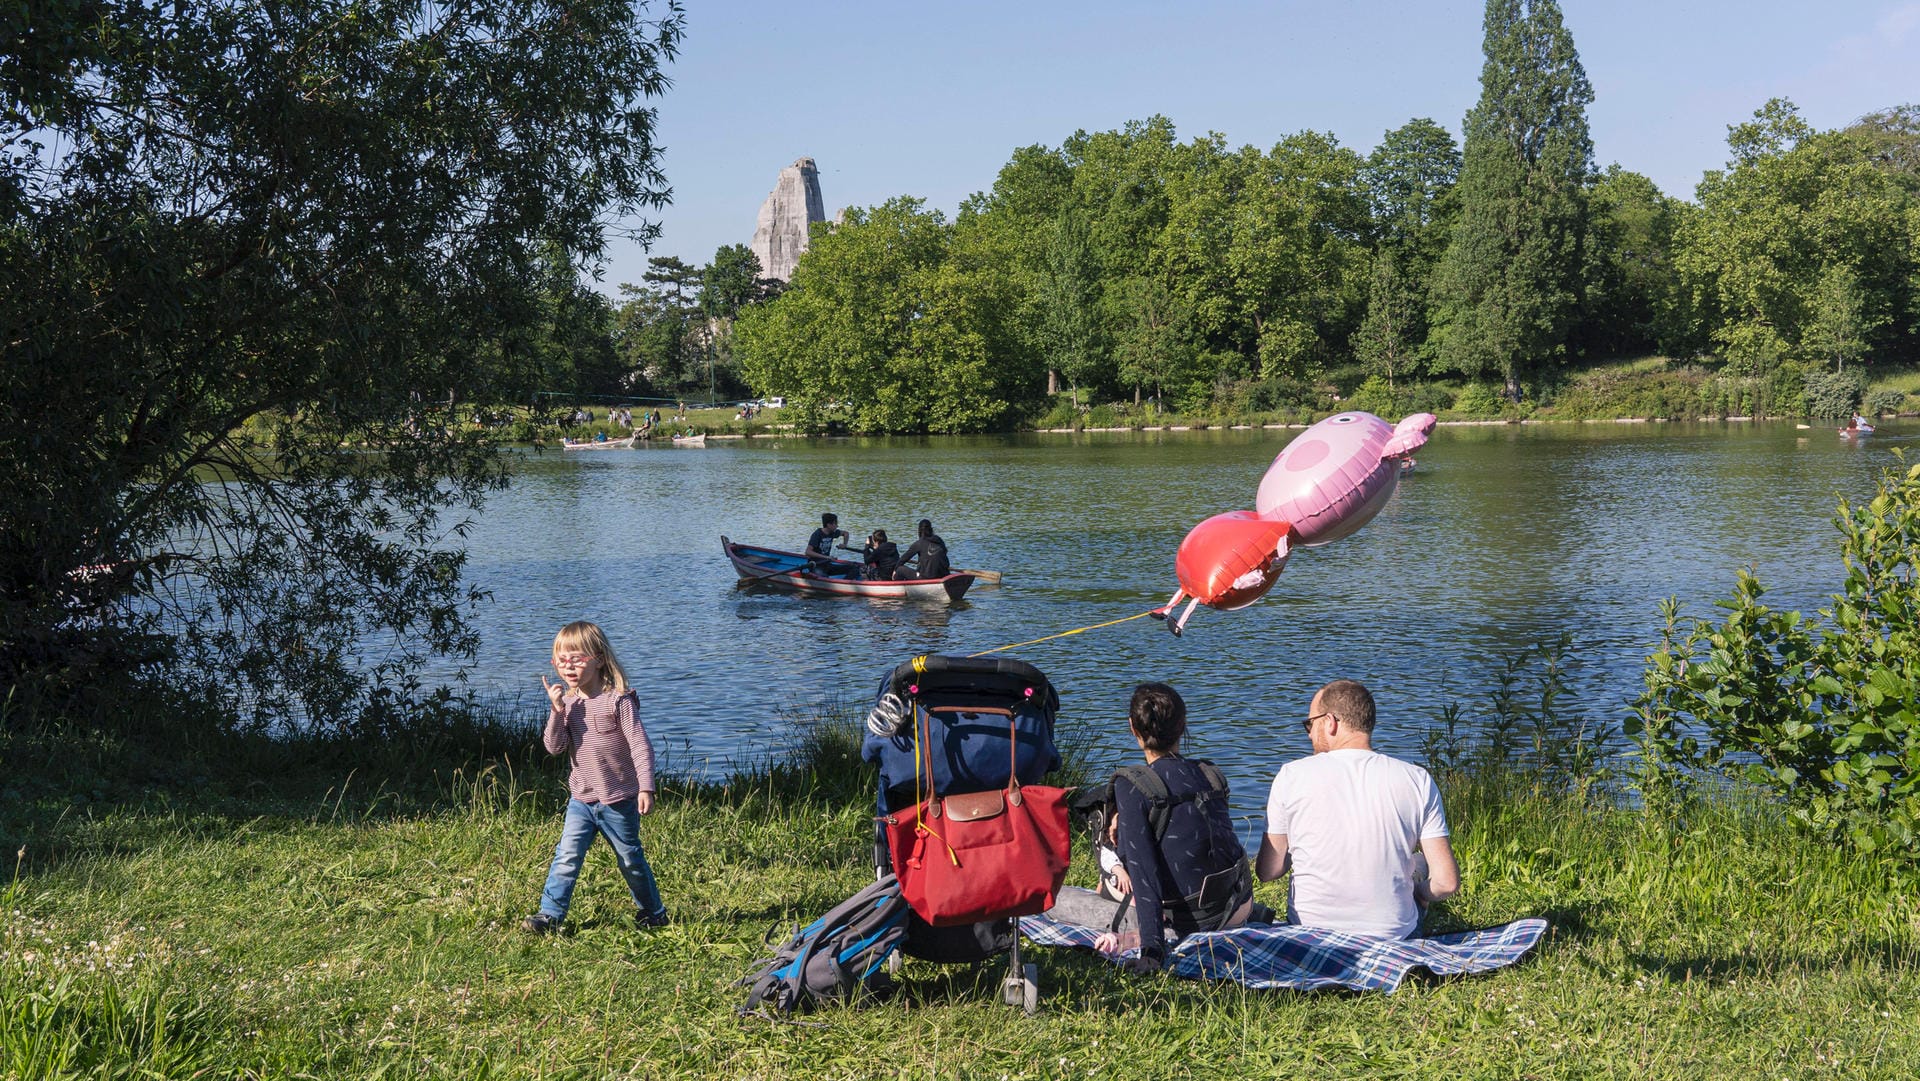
[596, 720]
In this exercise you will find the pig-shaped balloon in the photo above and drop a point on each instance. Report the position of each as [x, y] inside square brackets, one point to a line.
[1335, 476]
[1328, 482]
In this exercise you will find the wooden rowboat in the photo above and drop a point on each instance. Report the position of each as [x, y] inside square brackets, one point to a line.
[597, 444]
[839, 578]
[690, 440]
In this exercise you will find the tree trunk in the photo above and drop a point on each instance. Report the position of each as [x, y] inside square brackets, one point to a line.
[1053, 382]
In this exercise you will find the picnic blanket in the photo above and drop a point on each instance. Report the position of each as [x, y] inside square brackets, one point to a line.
[1309, 958]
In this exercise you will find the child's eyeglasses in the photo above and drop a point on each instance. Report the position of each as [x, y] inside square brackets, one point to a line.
[572, 658]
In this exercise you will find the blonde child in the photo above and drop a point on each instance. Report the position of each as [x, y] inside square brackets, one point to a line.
[595, 720]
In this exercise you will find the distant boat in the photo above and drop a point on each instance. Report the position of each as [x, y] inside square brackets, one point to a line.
[793, 570]
[690, 440]
[597, 444]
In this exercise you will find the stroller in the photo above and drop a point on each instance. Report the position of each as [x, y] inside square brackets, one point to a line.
[970, 707]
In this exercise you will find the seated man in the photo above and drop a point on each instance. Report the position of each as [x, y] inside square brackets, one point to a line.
[880, 556]
[924, 558]
[820, 545]
[1354, 827]
[1182, 859]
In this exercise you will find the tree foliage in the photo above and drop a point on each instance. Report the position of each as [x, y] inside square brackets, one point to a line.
[1509, 284]
[1803, 250]
[249, 257]
[891, 323]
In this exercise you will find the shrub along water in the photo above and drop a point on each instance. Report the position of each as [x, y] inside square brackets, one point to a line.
[1824, 713]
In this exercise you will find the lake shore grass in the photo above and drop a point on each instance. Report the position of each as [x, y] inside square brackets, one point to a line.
[325, 912]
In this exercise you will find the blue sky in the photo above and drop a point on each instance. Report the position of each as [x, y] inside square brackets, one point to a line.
[930, 100]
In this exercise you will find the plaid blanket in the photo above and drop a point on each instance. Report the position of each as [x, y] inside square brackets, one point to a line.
[1309, 958]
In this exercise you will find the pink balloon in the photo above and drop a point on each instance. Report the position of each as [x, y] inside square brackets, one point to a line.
[1335, 476]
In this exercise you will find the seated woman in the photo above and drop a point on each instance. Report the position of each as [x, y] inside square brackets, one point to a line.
[879, 557]
[1179, 854]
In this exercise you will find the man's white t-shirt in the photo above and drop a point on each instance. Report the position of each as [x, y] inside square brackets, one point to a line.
[1354, 820]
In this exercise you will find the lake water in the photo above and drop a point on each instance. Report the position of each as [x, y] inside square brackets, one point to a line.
[1504, 537]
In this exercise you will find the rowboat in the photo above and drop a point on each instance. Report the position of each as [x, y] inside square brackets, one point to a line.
[840, 578]
[597, 444]
[690, 440]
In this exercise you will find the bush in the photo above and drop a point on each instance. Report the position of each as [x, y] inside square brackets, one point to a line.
[1886, 401]
[1062, 415]
[1832, 394]
[1103, 416]
[1375, 397]
[1479, 401]
[1824, 713]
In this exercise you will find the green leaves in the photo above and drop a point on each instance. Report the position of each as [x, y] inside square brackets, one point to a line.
[282, 241]
[1825, 713]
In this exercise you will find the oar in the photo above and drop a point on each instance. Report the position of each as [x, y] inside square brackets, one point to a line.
[984, 576]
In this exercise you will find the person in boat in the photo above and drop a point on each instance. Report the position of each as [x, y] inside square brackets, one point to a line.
[880, 556]
[1364, 834]
[820, 545]
[925, 557]
[1180, 863]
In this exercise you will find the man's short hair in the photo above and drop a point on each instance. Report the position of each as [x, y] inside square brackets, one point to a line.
[1158, 715]
[1351, 702]
[829, 518]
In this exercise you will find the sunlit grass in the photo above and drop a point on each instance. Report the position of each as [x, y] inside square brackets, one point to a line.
[356, 933]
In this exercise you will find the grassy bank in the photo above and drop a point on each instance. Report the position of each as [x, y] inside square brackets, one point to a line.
[339, 921]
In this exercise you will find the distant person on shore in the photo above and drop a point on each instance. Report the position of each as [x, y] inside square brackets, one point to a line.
[880, 556]
[1364, 834]
[595, 721]
[925, 557]
[820, 544]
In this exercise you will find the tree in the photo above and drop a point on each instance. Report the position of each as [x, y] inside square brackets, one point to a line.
[1803, 250]
[278, 239]
[1627, 296]
[1069, 299]
[894, 323]
[1508, 286]
[1411, 181]
[1386, 339]
[1153, 347]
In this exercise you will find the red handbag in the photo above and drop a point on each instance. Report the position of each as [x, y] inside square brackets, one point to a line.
[979, 856]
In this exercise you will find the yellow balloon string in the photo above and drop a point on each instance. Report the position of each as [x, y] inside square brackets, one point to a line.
[1064, 634]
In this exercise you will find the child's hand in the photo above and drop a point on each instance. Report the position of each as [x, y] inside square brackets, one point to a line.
[554, 690]
[644, 802]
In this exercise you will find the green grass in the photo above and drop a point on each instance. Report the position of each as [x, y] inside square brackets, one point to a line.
[310, 925]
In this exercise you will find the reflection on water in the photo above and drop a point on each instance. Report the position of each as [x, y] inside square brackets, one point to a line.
[1503, 537]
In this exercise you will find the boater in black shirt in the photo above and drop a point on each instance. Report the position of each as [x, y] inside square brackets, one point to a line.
[927, 556]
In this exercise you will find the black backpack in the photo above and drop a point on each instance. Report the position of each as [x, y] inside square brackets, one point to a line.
[836, 956]
[1093, 808]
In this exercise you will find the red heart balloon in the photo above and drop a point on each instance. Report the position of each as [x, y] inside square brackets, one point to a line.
[1232, 559]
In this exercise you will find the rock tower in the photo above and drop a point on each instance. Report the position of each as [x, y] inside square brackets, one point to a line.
[792, 206]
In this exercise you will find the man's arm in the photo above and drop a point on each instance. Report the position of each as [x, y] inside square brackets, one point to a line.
[1274, 859]
[1443, 874]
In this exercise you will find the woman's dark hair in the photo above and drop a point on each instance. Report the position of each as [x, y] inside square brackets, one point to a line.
[1158, 715]
[926, 527]
[879, 535]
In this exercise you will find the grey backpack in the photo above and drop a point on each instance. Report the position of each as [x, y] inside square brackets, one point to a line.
[836, 956]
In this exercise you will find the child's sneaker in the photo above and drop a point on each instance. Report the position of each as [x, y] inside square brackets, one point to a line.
[540, 924]
[647, 923]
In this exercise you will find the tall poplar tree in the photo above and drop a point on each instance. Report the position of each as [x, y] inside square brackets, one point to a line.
[1507, 292]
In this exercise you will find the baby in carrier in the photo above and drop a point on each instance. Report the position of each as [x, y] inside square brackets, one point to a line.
[1169, 856]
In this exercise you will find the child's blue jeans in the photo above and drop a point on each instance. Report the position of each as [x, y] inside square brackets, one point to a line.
[619, 823]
